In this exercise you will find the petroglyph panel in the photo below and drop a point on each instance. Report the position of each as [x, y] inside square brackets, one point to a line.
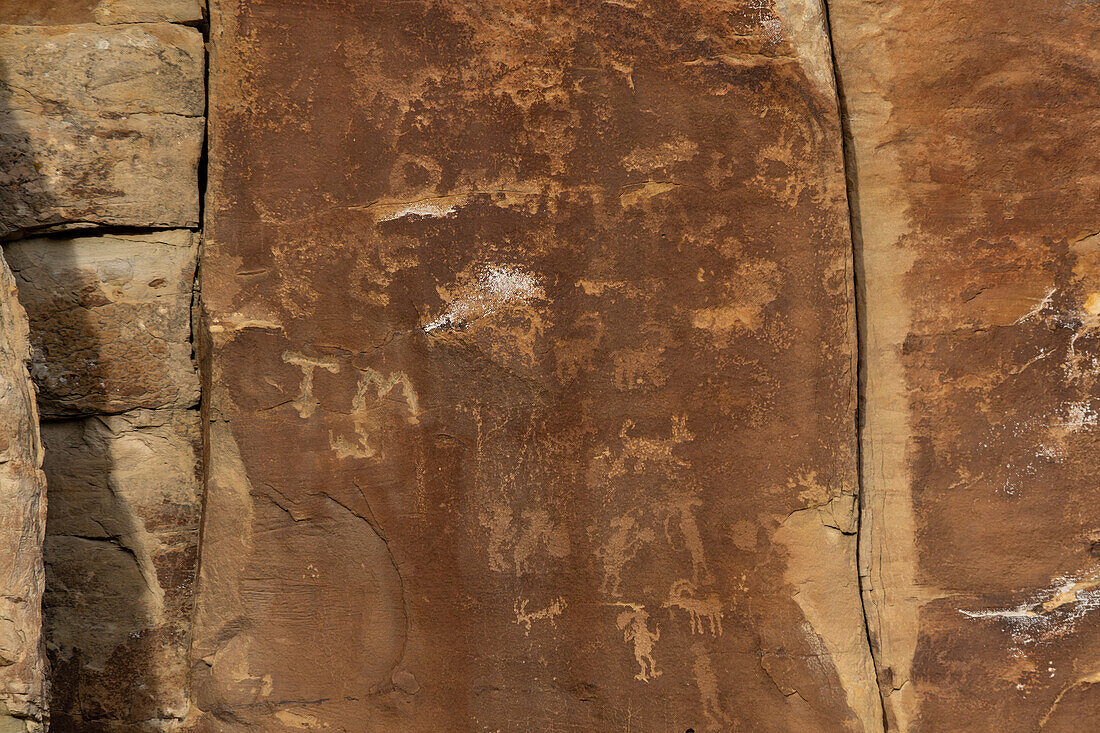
[526, 324]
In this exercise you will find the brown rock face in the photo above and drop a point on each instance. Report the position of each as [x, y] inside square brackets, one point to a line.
[121, 550]
[532, 371]
[22, 525]
[65, 12]
[975, 161]
[110, 320]
[99, 125]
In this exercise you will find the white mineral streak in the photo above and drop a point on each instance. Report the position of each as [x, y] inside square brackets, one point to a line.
[1036, 621]
[495, 287]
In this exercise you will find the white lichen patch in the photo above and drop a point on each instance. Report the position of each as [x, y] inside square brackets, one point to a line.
[495, 287]
[1051, 614]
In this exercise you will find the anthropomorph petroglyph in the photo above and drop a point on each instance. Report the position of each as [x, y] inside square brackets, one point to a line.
[305, 403]
[707, 681]
[705, 612]
[634, 623]
[549, 613]
[683, 510]
[620, 548]
[512, 547]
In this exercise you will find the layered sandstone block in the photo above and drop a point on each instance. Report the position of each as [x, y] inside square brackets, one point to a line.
[110, 320]
[22, 526]
[99, 125]
[975, 158]
[121, 550]
[531, 343]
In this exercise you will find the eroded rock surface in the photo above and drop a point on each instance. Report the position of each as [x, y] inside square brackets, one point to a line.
[99, 125]
[532, 362]
[975, 159]
[121, 551]
[22, 526]
[67, 12]
[110, 320]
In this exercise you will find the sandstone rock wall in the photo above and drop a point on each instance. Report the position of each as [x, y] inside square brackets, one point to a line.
[101, 130]
[974, 168]
[22, 526]
[704, 365]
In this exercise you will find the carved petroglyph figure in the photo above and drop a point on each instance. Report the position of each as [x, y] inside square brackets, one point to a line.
[379, 387]
[306, 403]
[704, 612]
[683, 510]
[634, 623]
[512, 547]
[639, 454]
[620, 548]
[549, 613]
[707, 681]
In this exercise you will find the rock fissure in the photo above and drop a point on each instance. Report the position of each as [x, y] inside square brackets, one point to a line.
[862, 531]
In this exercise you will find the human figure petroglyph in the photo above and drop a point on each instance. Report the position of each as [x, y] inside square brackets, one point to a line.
[634, 623]
[707, 682]
[537, 533]
[703, 611]
[683, 509]
[620, 548]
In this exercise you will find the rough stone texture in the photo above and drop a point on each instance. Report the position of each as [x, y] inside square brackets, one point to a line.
[67, 12]
[121, 549]
[531, 356]
[99, 126]
[110, 320]
[22, 525]
[975, 159]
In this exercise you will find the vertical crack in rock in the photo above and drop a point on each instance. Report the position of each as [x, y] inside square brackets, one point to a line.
[858, 290]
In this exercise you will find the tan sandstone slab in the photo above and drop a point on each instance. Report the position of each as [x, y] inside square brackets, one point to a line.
[110, 320]
[22, 526]
[99, 126]
[531, 351]
[121, 551]
[975, 159]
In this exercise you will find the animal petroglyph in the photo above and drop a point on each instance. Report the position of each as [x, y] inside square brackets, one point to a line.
[634, 623]
[306, 403]
[549, 613]
[619, 549]
[703, 611]
[639, 454]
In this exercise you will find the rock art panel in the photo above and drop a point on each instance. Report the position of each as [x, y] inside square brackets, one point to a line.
[121, 554]
[973, 162]
[22, 527]
[110, 320]
[529, 329]
[113, 140]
